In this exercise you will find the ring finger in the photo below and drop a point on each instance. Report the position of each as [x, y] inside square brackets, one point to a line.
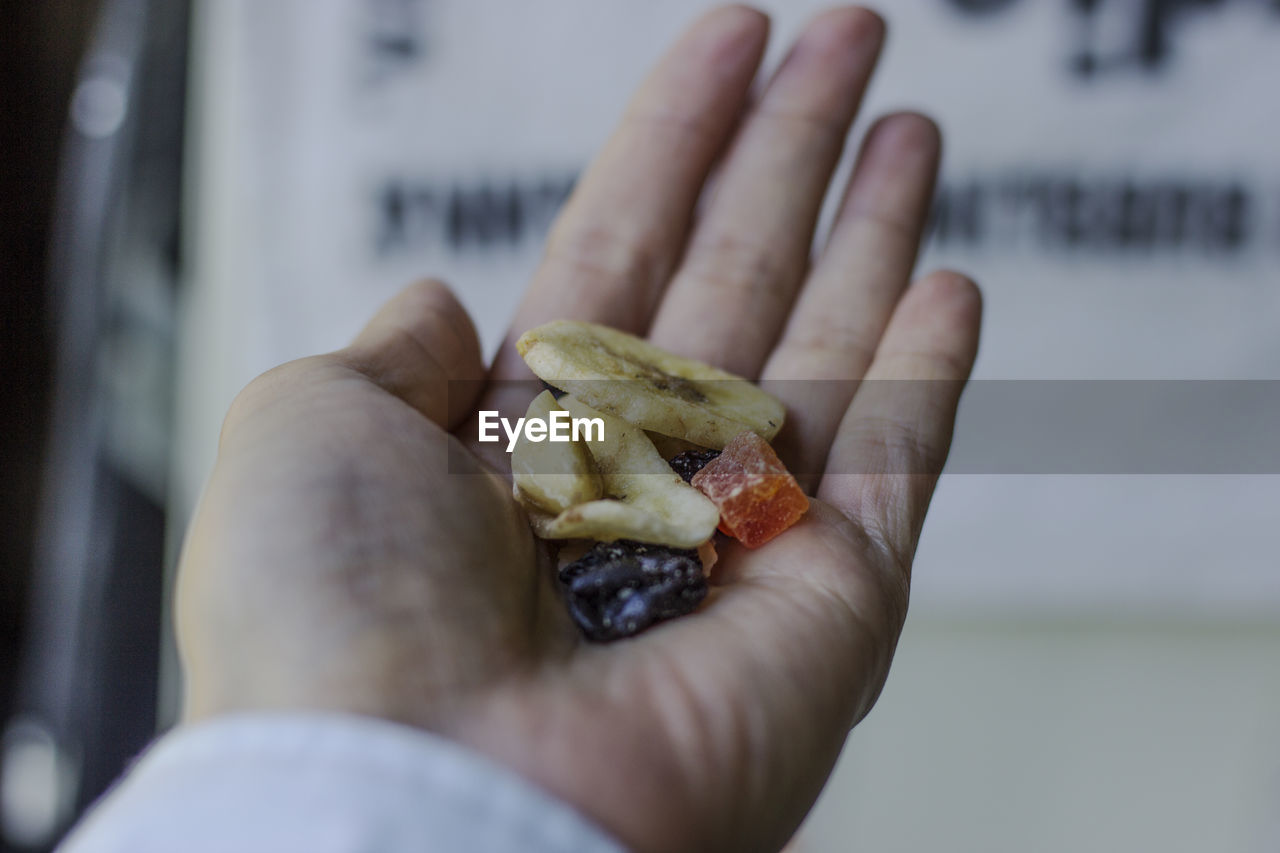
[850, 294]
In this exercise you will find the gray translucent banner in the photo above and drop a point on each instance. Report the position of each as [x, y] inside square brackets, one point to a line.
[1004, 426]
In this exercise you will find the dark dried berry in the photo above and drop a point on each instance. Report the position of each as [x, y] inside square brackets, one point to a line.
[690, 462]
[617, 589]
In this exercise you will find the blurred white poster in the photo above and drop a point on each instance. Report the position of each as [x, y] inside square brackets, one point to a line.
[1111, 178]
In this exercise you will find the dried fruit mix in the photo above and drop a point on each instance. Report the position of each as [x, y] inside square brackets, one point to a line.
[654, 530]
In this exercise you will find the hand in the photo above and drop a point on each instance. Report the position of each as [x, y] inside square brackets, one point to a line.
[337, 561]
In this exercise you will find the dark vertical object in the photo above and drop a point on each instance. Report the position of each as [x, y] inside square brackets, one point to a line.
[40, 44]
[86, 699]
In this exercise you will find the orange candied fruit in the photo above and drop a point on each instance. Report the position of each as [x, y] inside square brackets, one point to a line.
[756, 494]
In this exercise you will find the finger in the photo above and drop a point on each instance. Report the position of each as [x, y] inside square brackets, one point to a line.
[851, 292]
[422, 347]
[613, 247]
[894, 438]
[747, 256]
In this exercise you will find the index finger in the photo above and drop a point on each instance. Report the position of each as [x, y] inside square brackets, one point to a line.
[613, 247]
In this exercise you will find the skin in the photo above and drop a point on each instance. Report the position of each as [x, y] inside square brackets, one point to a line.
[339, 561]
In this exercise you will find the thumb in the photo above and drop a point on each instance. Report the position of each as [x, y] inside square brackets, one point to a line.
[422, 347]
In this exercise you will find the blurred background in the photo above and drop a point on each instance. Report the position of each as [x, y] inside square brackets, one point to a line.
[197, 190]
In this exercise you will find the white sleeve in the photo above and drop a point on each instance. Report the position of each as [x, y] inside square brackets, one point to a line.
[324, 783]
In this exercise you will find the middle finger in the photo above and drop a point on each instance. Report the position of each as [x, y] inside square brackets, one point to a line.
[730, 297]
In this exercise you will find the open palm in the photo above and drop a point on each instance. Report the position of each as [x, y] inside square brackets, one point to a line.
[351, 554]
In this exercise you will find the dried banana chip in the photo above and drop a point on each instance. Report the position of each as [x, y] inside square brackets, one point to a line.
[647, 501]
[646, 386]
[552, 475]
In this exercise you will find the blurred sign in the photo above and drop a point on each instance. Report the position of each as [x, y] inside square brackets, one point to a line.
[1111, 178]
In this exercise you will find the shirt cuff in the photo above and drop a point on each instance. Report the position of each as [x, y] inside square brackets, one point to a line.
[324, 783]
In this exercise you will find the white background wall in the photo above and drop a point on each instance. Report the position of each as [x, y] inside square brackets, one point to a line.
[1061, 736]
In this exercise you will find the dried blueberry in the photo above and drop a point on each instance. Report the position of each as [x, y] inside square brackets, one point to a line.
[690, 462]
[617, 589]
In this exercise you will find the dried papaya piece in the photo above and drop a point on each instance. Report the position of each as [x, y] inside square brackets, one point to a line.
[755, 493]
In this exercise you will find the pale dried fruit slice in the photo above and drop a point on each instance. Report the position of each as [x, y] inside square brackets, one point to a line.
[647, 386]
[552, 475]
[647, 501]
